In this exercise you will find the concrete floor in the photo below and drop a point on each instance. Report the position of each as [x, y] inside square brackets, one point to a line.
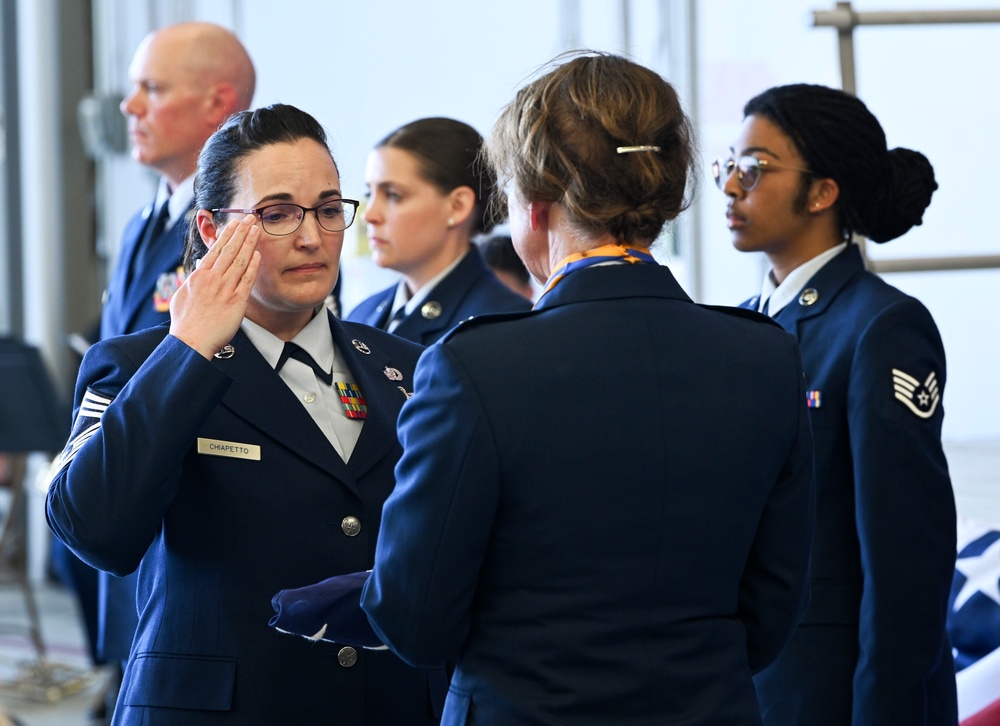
[975, 469]
[62, 693]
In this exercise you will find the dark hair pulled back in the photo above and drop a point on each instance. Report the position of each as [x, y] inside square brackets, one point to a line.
[217, 175]
[558, 141]
[448, 156]
[883, 193]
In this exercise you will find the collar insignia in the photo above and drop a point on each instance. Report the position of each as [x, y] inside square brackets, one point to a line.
[431, 310]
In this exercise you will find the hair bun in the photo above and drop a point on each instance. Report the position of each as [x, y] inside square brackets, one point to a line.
[905, 197]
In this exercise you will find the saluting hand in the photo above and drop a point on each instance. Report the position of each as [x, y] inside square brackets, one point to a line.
[207, 309]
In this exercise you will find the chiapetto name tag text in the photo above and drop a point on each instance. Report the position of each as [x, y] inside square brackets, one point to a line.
[232, 449]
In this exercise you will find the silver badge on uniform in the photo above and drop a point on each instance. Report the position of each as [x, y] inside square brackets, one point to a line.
[809, 296]
[431, 309]
[361, 347]
[393, 374]
[921, 398]
[227, 351]
[405, 392]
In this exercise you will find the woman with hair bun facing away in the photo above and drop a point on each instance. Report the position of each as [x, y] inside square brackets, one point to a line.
[589, 520]
[428, 195]
[809, 171]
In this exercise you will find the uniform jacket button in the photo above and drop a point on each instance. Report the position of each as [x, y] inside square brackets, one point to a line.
[350, 526]
[347, 656]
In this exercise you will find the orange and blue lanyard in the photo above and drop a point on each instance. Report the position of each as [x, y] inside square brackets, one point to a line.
[596, 256]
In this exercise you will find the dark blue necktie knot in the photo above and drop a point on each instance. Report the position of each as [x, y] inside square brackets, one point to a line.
[395, 318]
[291, 350]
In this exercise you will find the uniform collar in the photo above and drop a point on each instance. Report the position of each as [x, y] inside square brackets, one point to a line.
[778, 296]
[614, 282]
[180, 199]
[315, 338]
[403, 298]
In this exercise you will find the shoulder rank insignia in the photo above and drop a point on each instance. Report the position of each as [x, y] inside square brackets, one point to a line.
[87, 423]
[921, 398]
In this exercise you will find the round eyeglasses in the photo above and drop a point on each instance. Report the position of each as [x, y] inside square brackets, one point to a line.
[334, 215]
[748, 169]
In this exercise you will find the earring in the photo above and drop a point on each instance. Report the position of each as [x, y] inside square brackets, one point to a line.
[816, 205]
[451, 221]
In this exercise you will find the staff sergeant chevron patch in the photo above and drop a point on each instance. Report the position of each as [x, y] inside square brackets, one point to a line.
[921, 398]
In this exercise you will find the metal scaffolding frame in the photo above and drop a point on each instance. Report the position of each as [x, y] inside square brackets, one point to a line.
[845, 19]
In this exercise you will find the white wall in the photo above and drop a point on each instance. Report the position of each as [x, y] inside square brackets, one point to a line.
[364, 68]
[931, 88]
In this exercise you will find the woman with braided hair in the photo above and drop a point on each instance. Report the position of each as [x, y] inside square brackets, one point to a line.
[810, 172]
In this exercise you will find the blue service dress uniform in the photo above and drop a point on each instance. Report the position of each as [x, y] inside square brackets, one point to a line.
[603, 508]
[217, 469]
[470, 289]
[132, 303]
[872, 648]
[135, 303]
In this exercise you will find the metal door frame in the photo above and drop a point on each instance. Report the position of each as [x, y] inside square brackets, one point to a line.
[845, 19]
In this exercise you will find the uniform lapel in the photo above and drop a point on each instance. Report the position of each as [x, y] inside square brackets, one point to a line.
[166, 254]
[438, 312]
[115, 309]
[417, 326]
[817, 294]
[380, 316]
[375, 310]
[384, 384]
[260, 397]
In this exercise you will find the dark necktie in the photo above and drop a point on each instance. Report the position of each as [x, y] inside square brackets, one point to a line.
[154, 228]
[396, 317]
[291, 350]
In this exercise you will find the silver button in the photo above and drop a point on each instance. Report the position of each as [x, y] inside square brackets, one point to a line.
[347, 656]
[351, 526]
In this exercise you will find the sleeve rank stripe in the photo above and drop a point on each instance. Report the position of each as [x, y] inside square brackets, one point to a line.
[900, 377]
[96, 398]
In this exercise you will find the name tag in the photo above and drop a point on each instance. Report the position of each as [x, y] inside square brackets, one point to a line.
[232, 449]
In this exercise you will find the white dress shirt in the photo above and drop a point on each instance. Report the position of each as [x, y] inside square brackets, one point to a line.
[780, 295]
[320, 400]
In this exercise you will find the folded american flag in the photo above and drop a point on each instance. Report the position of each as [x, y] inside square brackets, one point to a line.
[974, 623]
[327, 610]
